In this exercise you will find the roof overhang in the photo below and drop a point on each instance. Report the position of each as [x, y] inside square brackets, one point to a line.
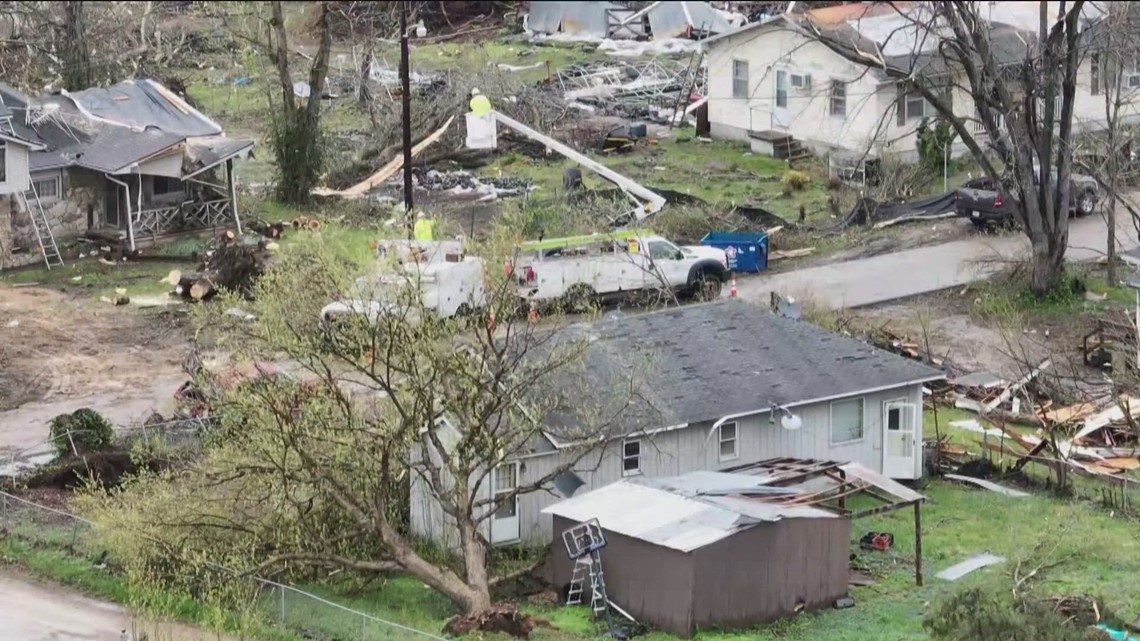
[32, 146]
[241, 151]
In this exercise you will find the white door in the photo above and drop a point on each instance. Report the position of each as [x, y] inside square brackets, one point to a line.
[505, 521]
[900, 443]
[780, 119]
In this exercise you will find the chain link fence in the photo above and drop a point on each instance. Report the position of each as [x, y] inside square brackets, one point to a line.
[311, 616]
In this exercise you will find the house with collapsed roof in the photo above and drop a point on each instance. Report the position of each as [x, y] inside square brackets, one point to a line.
[774, 84]
[133, 161]
[719, 385]
[600, 20]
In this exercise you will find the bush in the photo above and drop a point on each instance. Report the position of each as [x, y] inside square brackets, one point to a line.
[794, 181]
[85, 429]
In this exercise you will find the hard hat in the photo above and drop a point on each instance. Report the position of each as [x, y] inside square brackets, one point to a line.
[475, 91]
[420, 216]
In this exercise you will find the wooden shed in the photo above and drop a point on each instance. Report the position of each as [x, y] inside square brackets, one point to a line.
[705, 551]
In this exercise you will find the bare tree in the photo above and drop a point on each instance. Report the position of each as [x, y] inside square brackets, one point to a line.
[313, 470]
[1025, 103]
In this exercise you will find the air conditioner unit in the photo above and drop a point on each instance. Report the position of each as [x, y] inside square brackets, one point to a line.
[801, 80]
[1133, 80]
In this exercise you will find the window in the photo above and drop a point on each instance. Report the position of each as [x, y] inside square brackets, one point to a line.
[663, 250]
[3, 161]
[739, 79]
[506, 481]
[728, 449]
[915, 106]
[44, 187]
[631, 458]
[847, 421]
[839, 98]
[164, 185]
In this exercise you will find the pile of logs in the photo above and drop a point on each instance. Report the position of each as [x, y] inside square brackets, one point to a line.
[236, 263]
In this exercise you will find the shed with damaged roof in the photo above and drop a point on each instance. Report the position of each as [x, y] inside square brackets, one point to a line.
[705, 550]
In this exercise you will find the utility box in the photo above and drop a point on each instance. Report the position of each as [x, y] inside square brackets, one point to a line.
[747, 252]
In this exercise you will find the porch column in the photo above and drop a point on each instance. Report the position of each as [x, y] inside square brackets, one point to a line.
[233, 192]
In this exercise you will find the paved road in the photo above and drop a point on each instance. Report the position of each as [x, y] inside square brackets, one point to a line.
[887, 277]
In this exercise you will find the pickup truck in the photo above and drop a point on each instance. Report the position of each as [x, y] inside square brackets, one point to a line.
[983, 205]
[610, 266]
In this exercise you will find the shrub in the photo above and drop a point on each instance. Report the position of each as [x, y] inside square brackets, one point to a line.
[85, 429]
[794, 181]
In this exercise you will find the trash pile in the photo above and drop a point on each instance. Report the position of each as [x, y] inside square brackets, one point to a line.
[462, 183]
[651, 90]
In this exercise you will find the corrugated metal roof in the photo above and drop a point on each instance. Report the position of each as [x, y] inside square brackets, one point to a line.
[652, 510]
[673, 19]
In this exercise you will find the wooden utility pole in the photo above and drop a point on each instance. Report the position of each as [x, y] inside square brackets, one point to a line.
[406, 102]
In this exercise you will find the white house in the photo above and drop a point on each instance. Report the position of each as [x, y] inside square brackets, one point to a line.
[728, 384]
[775, 85]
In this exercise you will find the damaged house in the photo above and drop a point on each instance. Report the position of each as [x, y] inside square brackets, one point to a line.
[727, 384]
[132, 161]
[775, 84]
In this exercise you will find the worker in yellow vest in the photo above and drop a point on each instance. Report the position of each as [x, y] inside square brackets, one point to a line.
[424, 230]
[480, 104]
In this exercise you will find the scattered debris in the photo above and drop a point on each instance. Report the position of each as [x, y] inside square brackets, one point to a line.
[955, 572]
[651, 90]
[790, 253]
[463, 183]
[993, 487]
[879, 541]
[385, 172]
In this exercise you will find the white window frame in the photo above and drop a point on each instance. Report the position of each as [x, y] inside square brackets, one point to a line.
[734, 439]
[506, 509]
[912, 97]
[837, 99]
[862, 420]
[625, 457]
[33, 192]
[739, 91]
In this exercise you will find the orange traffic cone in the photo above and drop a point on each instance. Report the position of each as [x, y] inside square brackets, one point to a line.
[491, 319]
[732, 292]
[506, 264]
[532, 315]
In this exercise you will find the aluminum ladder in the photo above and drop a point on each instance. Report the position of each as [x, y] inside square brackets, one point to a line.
[589, 567]
[52, 256]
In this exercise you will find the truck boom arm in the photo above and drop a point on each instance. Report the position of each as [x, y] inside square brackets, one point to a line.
[654, 201]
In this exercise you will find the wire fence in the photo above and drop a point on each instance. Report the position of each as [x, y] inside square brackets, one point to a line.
[290, 608]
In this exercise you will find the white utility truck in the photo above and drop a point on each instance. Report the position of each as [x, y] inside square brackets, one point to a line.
[450, 281]
[618, 264]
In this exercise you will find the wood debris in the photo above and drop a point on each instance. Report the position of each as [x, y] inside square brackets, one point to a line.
[387, 171]
[790, 253]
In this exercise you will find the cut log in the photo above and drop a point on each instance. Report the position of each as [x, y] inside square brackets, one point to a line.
[201, 290]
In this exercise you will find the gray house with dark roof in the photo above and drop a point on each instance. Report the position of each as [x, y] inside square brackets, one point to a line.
[133, 161]
[723, 384]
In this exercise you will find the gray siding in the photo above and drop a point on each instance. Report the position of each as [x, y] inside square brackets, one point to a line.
[689, 449]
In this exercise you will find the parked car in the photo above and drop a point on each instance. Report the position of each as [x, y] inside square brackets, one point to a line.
[985, 204]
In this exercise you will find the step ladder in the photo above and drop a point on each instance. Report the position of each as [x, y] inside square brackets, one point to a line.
[589, 568]
[52, 256]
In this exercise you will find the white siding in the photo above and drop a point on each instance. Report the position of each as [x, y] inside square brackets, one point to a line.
[16, 165]
[810, 119]
[689, 449]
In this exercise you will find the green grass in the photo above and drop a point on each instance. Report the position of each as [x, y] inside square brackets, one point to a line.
[96, 279]
[1008, 294]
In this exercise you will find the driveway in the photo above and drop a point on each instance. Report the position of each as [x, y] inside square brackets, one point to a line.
[888, 277]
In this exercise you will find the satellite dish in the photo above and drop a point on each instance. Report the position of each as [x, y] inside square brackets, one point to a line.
[791, 422]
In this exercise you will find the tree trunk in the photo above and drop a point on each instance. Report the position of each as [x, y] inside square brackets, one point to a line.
[1048, 258]
[475, 561]
[76, 59]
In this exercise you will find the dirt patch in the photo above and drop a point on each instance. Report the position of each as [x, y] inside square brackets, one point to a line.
[957, 336]
[59, 354]
[38, 612]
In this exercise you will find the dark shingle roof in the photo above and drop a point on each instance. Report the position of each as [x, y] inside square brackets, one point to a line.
[699, 363]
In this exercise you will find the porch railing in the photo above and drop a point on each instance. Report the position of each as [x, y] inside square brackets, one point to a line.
[186, 216]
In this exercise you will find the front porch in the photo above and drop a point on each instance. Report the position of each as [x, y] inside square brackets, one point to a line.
[189, 215]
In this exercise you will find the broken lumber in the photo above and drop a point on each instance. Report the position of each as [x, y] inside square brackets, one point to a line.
[1008, 392]
[385, 172]
[790, 253]
[988, 485]
[906, 219]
